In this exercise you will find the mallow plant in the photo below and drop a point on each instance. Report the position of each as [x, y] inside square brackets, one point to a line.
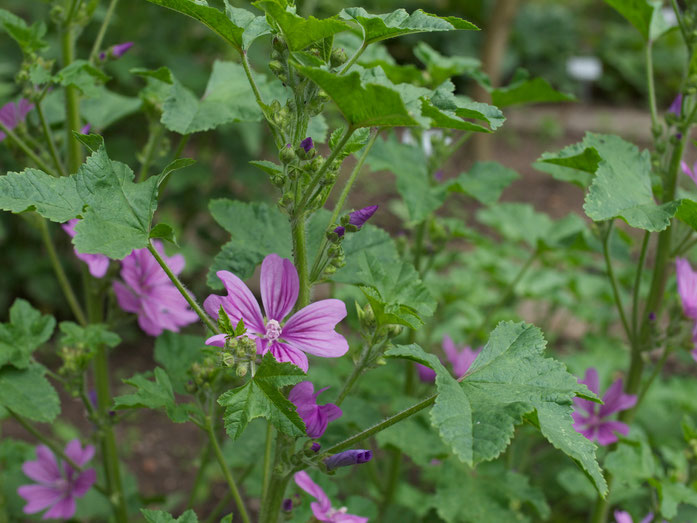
[366, 376]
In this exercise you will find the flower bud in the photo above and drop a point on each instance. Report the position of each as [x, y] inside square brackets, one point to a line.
[279, 44]
[338, 57]
[287, 154]
[276, 67]
[348, 458]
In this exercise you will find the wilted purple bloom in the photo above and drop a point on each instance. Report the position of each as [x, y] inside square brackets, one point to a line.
[12, 114]
[316, 417]
[96, 263]
[316, 446]
[593, 423]
[692, 173]
[426, 374]
[625, 517]
[348, 458]
[307, 144]
[676, 106]
[86, 129]
[149, 293]
[461, 358]
[58, 484]
[358, 218]
[310, 330]
[322, 508]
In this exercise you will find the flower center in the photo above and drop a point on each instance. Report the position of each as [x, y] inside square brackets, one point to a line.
[273, 330]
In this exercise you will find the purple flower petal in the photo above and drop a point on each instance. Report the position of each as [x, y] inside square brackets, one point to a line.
[687, 287]
[238, 304]
[279, 286]
[316, 417]
[311, 329]
[84, 482]
[615, 400]
[64, 509]
[98, 264]
[340, 230]
[119, 50]
[591, 380]
[676, 106]
[79, 455]
[623, 517]
[606, 431]
[307, 144]
[303, 480]
[426, 374]
[218, 340]
[284, 352]
[359, 217]
[45, 468]
[38, 497]
[348, 458]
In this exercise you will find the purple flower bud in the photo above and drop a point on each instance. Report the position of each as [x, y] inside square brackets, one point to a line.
[102, 56]
[316, 446]
[652, 316]
[347, 458]
[676, 106]
[340, 231]
[92, 395]
[287, 146]
[438, 175]
[359, 217]
[287, 505]
[119, 50]
[86, 129]
[307, 144]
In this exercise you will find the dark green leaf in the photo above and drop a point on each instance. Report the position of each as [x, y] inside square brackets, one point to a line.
[176, 353]
[26, 331]
[439, 67]
[526, 90]
[175, 165]
[645, 15]
[107, 108]
[28, 393]
[29, 38]
[83, 75]
[485, 181]
[164, 232]
[153, 395]
[160, 516]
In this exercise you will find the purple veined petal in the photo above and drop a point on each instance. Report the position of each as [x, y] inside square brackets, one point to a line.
[359, 217]
[279, 286]
[97, 264]
[676, 105]
[348, 518]
[84, 482]
[125, 298]
[238, 304]
[587, 405]
[624, 517]
[38, 497]
[284, 352]
[79, 455]
[311, 329]
[615, 400]
[606, 431]
[217, 340]
[149, 326]
[331, 411]
[591, 380]
[45, 468]
[426, 374]
[64, 509]
[464, 361]
[449, 348]
[302, 479]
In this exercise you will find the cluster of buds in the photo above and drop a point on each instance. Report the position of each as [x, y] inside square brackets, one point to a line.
[202, 374]
[239, 352]
[76, 358]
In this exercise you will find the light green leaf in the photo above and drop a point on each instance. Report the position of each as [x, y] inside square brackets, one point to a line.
[673, 494]
[160, 516]
[154, 395]
[369, 239]
[253, 26]
[631, 463]
[175, 165]
[116, 212]
[26, 331]
[451, 414]
[300, 32]
[108, 108]
[176, 353]
[485, 181]
[228, 98]
[440, 67]
[400, 22]
[363, 105]
[83, 75]
[164, 232]
[262, 397]
[526, 90]
[354, 144]
[90, 336]
[575, 164]
[396, 293]
[645, 15]
[29, 38]
[687, 213]
[447, 110]
[28, 393]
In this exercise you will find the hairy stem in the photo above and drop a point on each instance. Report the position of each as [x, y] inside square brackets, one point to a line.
[355, 57]
[202, 462]
[300, 256]
[49, 140]
[72, 103]
[651, 86]
[613, 283]
[27, 150]
[267, 459]
[151, 147]
[260, 102]
[637, 284]
[180, 287]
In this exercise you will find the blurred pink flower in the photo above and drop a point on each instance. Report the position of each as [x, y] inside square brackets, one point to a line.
[625, 517]
[12, 114]
[592, 422]
[96, 263]
[149, 293]
[310, 330]
[316, 417]
[692, 173]
[58, 484]
[461, 358]
[322, 508]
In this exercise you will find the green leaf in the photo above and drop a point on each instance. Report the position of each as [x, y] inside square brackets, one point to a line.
[28, 393]
[439, 67]
[228, 98]
[116, 212]
[262, 396]
[164, 232]
[673, 494]
[354, 144]
[631, 463]
[510, 380]
[83, 75]
[300, 32]
[400, 22]
[29, 38]
[254, 26]
[485, 181]
[575, 164]
[175, 165]
[516, 221]
[369, 239]
[363, 105]
[153, 395]
[409, 165]
[91, 336]
[526, 90]
[622, 186]
[687, 213]
[396, 293]
[108, 108]
[176, 353]
[447, 110]
[451, 414]
[160, 516]
[268, 167]
[645, 15]
[26, 331]
[214, 19]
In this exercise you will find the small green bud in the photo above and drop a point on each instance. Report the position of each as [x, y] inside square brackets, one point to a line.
[338, 57]
[242, 369]
[316, 163]
[278, 181]
[276, 67]
[323, 97]
[381, 361]
[279, 45]
[287, 155]
[227, 359]
[394, 330]
[329, 270]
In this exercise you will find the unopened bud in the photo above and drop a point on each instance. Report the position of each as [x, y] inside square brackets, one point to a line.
[287, 154]
[338, 57]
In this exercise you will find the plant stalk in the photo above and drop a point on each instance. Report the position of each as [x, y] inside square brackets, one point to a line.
[27, 150]
[102, 30]
[72, 103]
[300, 256]
[49, 140]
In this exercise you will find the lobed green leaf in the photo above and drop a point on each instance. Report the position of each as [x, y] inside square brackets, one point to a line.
[26, 331]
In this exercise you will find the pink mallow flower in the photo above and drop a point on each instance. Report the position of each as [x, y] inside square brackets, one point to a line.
[625, 517]
[461, 358]
[96, 263]
[687, 288]
[316, 417]
[322, 508]
[676, 106]
[590, 419]
[310, 330]
[149, 293]
[58, 484]
[12, 114]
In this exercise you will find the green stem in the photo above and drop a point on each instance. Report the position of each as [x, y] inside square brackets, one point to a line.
[651, 87]
[102, 30]
[187, 296]
[202, 462]
[180, 146]
[260, 102]
[49, 140]
[300, 256]
[60, 274]
[355, 57]
[314, 274]
[150, 148]
[637, 284]
[613, 283]
[322, 170]
[418, 244]
[656, 371]
[72, 104]
[226, 471]
[271, 506]
[393, 478]
[267, 460]
[355, 374]
[26, 149]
